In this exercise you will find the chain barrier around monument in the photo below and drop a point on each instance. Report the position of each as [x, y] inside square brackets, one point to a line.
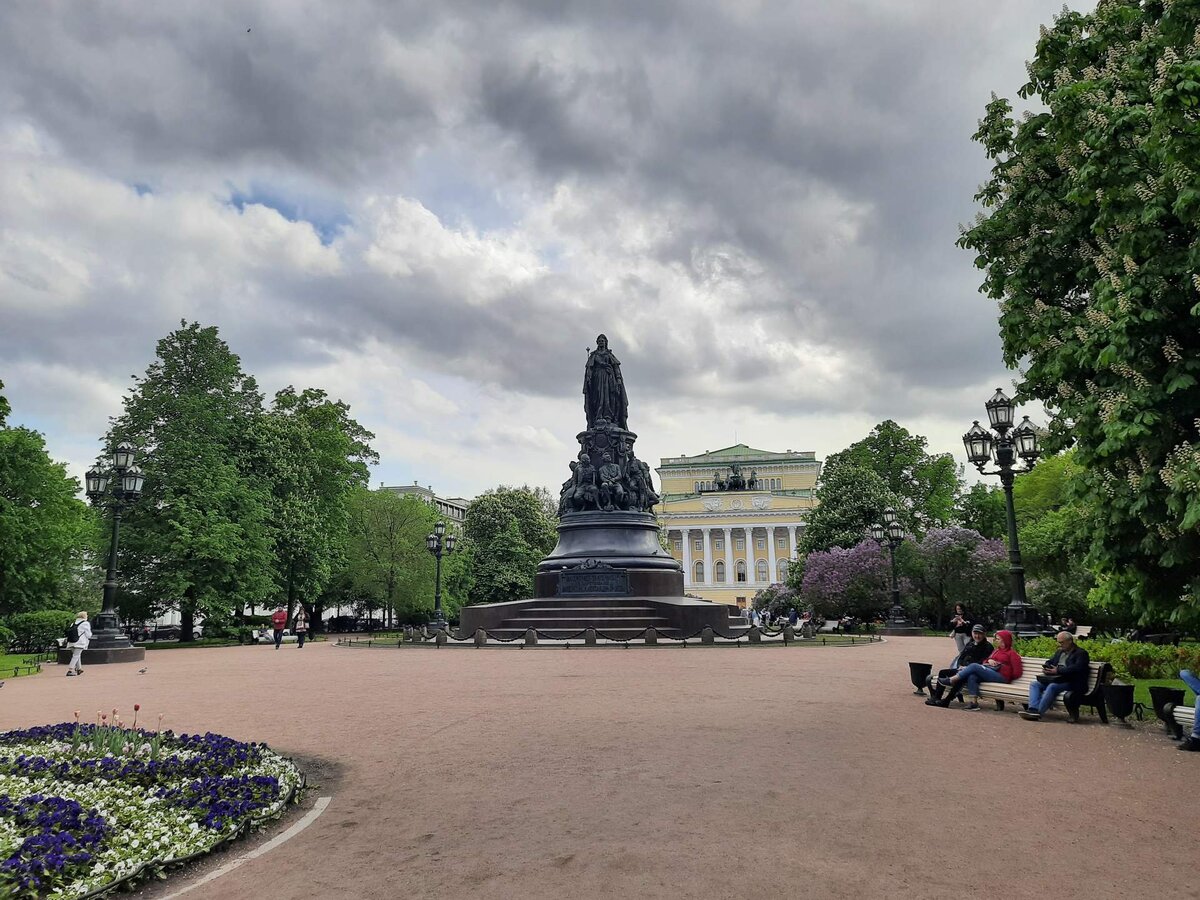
[779, 637]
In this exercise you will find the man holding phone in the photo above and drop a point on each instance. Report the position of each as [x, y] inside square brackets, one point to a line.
[1066, 670]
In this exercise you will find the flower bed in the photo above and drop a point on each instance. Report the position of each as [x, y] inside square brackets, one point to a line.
[86, 807]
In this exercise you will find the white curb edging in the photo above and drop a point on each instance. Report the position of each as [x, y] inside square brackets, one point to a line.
[309, 818]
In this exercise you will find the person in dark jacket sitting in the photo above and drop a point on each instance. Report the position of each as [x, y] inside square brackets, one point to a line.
[1066, 670]
[976, 651]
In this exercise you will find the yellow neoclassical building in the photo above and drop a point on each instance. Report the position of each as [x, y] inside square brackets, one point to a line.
[734, 517]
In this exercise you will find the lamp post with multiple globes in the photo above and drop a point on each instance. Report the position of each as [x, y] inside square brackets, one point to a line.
[1002, 448]
[439, 544]
[891, 531]
[115, 488]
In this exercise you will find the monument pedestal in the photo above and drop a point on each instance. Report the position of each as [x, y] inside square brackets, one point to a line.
[608, 554]
[109, 644]
[96, 656]
[608, 572]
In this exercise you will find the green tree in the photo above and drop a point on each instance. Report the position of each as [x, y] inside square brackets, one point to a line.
[199, 536]
[981, 508]
[314, 456]
[509, 532]
[1089, 241]
[850, 498]
[1054, 525]
[388, 564]
[926, 484]
[45, 530]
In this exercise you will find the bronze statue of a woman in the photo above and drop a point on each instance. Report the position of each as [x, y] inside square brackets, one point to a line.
[604, 388]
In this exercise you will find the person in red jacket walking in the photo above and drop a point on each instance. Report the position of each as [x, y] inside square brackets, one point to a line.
[1003, 665]
[279, 623]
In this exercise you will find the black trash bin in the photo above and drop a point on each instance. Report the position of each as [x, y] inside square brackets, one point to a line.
[919, 675]
[1119, 700]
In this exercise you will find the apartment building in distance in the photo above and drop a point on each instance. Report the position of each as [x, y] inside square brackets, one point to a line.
[453, 510]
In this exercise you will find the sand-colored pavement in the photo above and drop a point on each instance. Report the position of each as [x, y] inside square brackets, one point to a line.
[670, 772]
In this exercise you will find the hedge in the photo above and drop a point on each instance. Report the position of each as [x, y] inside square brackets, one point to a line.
[1129, 659]
[34, 632]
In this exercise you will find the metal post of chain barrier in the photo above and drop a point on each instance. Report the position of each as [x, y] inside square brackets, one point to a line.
[530, 637]
[480, 637]
[651, 635]
[789, 634]
[441, 638]
[707, 636]
[754, 634]
[589, 637]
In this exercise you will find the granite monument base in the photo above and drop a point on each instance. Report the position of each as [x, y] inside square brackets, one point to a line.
[98, 656]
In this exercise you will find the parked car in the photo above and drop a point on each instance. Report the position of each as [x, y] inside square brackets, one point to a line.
[267, 635]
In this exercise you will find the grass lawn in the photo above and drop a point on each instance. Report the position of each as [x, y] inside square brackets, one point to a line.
[9, 661]
[1141, 690]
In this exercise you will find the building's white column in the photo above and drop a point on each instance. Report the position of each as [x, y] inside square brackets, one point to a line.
[708, 569]
[687, 556]
[795, 543]
[771, 561]
[751, 556]
[730, 572]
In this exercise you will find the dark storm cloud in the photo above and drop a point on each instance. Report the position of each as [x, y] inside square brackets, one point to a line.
[755, 194]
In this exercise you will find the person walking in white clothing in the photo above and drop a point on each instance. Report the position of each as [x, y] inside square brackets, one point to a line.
[83, 634]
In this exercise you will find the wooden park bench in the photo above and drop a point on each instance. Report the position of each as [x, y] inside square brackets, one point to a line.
[1180, 718]
[1018, 691]
[830, 626]
[1082, 631]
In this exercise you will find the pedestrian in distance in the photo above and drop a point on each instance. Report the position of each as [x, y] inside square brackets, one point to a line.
[300, 626]
[78, 637]
[279, 623]
[960, 627]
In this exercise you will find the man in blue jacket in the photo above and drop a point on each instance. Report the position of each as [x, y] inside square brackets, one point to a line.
[1066, 670]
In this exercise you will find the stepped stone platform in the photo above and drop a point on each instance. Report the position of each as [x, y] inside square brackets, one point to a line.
[616, 617]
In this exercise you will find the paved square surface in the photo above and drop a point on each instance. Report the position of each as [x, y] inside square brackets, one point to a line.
[698, 772]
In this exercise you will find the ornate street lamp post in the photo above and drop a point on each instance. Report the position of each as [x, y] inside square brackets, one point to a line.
[439, 543]
[1003, 448]
[892, 531]
[115, 489]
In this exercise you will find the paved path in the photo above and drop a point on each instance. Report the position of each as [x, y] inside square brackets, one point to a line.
[697, 772]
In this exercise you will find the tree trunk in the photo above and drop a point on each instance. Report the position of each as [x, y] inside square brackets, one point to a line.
[187, 615]
[291, 591]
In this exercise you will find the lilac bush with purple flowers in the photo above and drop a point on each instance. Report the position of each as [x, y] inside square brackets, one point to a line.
[74, 818]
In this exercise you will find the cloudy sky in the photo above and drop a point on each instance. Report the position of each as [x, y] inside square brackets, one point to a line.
[431, 209]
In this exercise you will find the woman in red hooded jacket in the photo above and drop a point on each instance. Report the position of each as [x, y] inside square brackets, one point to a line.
[1003, 665]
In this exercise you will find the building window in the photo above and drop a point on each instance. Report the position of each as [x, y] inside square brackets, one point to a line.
[741, 570]
[783, 570]
[719, 572]
[761, 543]
[699, 573]
[762, 571]
[678, 546]
[739, 544]
[777, 484]
[718, 544]
[781, 540]
[697, 545]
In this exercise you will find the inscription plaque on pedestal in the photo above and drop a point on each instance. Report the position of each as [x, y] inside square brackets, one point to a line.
[593, 582]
